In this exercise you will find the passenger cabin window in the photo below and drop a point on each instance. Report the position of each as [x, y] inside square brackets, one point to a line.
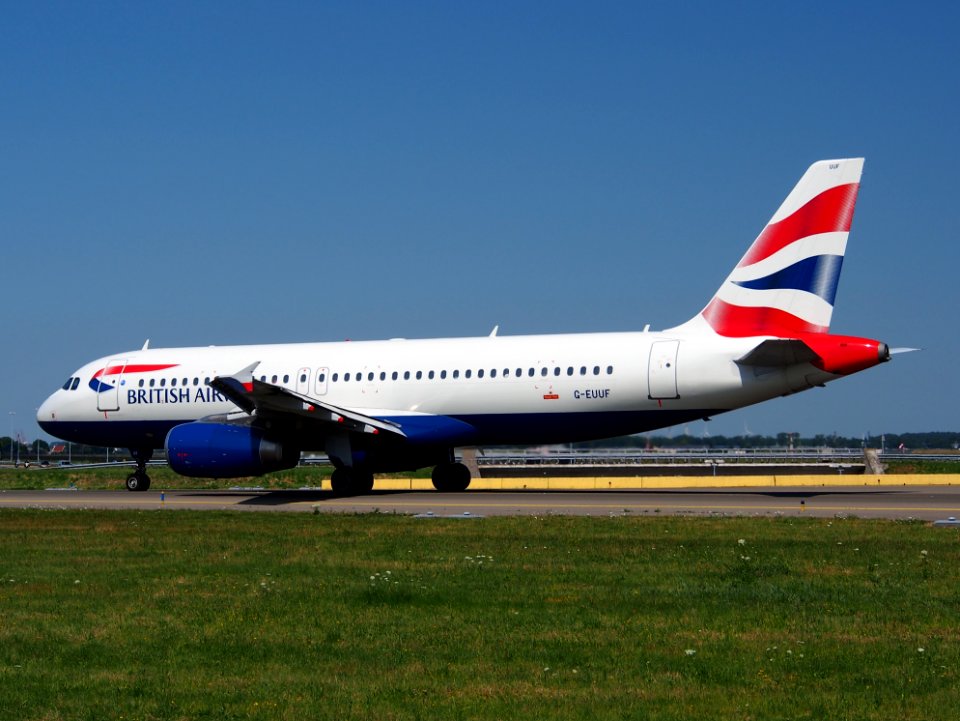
[467, 373]
[152, 382]
[395, 375]
[322, 378]
[443, 375]
[140, 384]
[609, 370]
[480, 373]
[596, 370]
[406, 375]
[456, 374]
[286, 379]
[335, 377]
[569, 370]
[303, 377]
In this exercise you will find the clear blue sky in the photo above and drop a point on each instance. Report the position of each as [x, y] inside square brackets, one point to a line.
[213, 173]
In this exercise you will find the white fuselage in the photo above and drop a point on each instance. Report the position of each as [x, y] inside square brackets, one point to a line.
[519, 389]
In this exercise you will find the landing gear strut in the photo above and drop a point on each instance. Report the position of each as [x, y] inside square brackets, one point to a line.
[451, 477]
[351, 481]
[139, 480]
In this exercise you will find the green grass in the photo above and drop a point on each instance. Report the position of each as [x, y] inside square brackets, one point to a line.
[113, 478]
[187, 615]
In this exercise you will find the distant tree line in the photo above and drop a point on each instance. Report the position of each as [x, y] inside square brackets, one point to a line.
[933, 440]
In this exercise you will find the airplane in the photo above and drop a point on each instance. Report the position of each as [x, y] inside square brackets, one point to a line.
[396, 405]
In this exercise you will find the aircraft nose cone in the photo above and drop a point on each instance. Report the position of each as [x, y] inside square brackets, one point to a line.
[47, 413]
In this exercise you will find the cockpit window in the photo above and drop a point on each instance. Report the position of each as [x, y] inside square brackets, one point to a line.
[76, 382]
[66, 386]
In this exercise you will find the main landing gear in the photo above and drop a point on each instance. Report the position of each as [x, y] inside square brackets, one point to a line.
[351, 481]
[139, 480]
[451, 477]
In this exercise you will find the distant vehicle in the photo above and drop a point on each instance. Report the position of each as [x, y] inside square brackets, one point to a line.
[379, 406]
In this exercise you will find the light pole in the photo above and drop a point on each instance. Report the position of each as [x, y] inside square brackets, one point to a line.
[11, 414]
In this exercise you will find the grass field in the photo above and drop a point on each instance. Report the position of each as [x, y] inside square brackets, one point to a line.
[114, 477]
[186, 615]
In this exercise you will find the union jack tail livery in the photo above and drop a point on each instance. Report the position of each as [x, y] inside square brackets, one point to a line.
[786, 283]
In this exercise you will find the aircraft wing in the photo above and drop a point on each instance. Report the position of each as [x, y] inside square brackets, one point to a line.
[779, 352]
[266, 400]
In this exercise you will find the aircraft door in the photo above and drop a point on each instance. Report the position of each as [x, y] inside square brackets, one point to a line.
[662, 371]
[303, 381]
[322, 375]
[108, 385]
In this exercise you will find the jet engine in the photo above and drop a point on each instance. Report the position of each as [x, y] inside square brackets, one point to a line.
[222, 450]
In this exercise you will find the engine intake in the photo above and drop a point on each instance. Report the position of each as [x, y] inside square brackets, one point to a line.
[222, 450]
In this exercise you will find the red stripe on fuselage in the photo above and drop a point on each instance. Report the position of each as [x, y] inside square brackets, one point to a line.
[829, 212]
[132, 368]
[736, 321]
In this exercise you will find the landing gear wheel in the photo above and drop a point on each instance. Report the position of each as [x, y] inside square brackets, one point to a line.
[138, 482]
[451, 477]
[351, 482]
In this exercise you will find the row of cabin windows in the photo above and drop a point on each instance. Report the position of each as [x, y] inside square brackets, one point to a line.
[455, 375]
[72, 383]
[173, 382]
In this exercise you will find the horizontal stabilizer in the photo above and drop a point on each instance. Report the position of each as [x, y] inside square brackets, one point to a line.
[772, 353]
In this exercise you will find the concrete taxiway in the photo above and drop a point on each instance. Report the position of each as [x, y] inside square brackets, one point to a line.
[916, 502]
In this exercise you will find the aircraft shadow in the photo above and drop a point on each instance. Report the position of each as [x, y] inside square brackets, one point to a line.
[285, 497]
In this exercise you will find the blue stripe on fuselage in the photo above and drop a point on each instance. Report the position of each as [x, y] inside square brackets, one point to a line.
[450, 431]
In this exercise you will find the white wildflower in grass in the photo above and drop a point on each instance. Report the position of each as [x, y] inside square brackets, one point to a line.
[923, 553]
[742, 541]
[920, 650]
[690, 652]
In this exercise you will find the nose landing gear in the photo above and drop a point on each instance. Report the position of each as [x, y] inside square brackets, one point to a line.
[139, 480]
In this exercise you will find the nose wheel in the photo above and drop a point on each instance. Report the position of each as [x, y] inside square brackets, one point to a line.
[139, 480]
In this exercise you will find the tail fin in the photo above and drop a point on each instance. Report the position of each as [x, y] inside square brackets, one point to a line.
[786, 283]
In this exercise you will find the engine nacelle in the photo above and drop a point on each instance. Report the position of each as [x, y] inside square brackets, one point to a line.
[222, 450]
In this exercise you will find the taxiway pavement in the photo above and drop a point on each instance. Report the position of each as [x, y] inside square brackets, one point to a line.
[908, 502]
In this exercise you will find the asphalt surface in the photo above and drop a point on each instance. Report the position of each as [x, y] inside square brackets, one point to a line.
[917, 502]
